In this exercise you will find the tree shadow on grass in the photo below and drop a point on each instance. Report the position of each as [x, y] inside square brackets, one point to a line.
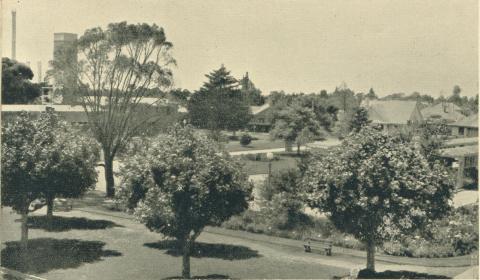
[400, 274]
[59, 223]
[45, 254]
[210, 276]
[207, 250]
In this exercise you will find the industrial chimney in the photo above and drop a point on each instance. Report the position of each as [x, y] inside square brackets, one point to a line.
[39, 65]
[14, 34]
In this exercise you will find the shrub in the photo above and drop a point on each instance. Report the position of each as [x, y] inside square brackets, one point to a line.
[245, 139]
[454, 235]
[259, 157]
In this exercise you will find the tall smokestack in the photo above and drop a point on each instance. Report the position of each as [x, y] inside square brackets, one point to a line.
[14, 34]
[39, 65]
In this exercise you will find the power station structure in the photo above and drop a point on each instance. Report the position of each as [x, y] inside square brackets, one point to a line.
[64, 50]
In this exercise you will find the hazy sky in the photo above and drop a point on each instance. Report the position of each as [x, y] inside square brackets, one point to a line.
[296, 46]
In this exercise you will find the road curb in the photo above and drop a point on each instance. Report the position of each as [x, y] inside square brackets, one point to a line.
[6, 271]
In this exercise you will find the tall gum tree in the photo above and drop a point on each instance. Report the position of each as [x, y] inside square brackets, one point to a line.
[117, 68]
[375, 187]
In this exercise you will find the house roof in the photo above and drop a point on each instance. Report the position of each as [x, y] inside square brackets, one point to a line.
[390, 111]
[39, 108]
[460, 151]
[259, 109]
[447, 111]
[143, 100]
[461, 142]
[469, 121]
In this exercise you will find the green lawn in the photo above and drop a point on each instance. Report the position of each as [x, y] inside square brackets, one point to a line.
[109, 247]
[284, 162]
[263, 142]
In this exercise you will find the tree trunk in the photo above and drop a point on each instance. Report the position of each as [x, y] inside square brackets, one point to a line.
[186, 259]
[234, 133]
[371, 255]
[298, 149]
[288, 146]
[49, 199]
[109, 176]
[24, 238]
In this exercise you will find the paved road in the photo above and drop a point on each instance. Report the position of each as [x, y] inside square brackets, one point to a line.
[261, 256]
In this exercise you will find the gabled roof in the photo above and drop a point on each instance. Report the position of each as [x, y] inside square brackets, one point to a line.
[459, 151]
[259, 109]
[447, 111]
[469, 121]
[391, 111]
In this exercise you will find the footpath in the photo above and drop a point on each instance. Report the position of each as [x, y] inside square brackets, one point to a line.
[341, 257]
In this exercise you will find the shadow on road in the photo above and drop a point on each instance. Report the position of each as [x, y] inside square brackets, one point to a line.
[59, 223]
[207, 250]
[45, 254]
[210, 276]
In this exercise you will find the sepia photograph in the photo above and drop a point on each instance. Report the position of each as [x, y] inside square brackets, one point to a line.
[239, 139]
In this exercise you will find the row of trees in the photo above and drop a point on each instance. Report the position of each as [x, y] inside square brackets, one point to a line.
[374, 186]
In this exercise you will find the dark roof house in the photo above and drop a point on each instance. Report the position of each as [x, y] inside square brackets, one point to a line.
[393, 113]
[443, 111]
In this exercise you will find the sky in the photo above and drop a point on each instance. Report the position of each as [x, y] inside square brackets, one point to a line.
[426, 46]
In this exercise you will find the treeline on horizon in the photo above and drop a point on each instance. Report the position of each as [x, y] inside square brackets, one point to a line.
[19, 76]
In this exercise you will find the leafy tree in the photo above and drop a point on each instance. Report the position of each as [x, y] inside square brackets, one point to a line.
[455, 97]
[250, 92]
[371, 94]
[359, 119]
[18, 164]
[180, 95]
[283, 200]
[295, 124]
[118, 67]
[41, 159]
[323, 94]
[65, 164]
[344, 98]
[189, 184]
[17, 87]
[219, 104]
[432, 137]
[376, 187]
[325, 114]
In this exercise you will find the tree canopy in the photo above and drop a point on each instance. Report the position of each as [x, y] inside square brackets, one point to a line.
[375, 186]
[188, 184]
[17, 87]
[65, 161]
[295, 124]
[359, 119]
[118, 67]
[41, 158]
[219, 104]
